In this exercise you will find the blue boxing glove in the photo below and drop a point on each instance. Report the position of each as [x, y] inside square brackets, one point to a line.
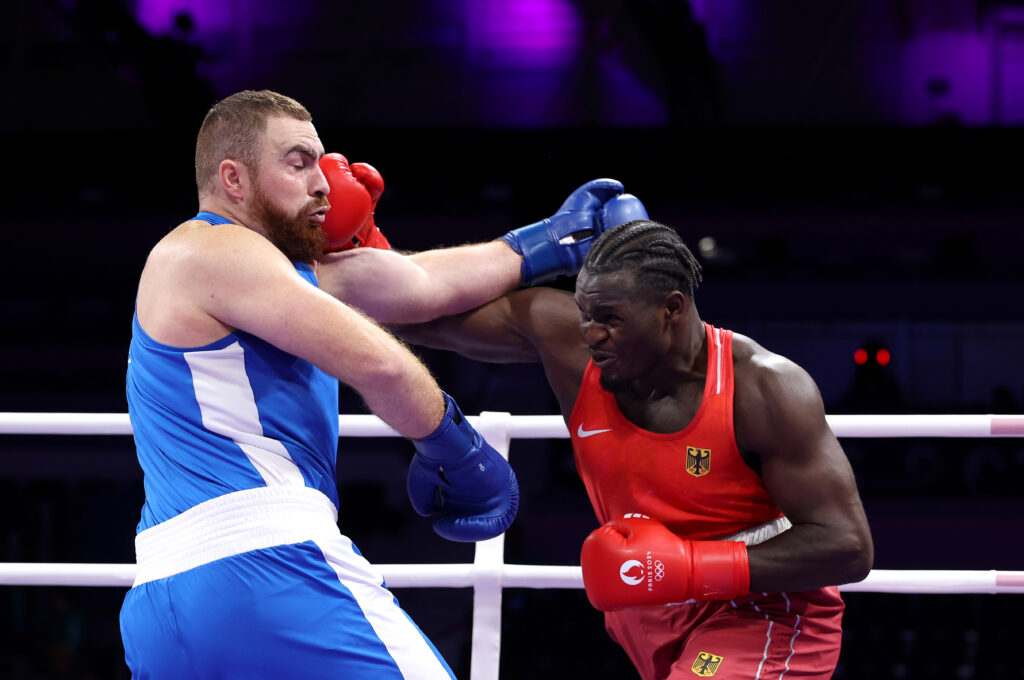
[460, 480]
[556, 246]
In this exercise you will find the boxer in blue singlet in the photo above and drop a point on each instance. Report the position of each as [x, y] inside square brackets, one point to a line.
[232, 388]
[261, 429]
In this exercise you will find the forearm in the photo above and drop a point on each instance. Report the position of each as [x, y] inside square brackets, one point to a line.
[809, 556]
[463, 278]
[405, 289]
[398, 389]
[348, 345]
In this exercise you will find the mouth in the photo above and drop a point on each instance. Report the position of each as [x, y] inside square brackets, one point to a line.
[319, 215]
[602, 359]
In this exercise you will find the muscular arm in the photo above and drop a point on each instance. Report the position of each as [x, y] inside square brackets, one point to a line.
[236, 278]
[396, 288]
[780, 418]
[531, 325]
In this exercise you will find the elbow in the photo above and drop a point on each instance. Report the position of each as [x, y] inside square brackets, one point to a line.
[857, 556]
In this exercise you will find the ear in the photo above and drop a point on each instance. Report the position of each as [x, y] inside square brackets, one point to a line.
[674, 305]
[234, 178]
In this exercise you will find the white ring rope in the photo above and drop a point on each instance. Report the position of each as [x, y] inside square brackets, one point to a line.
[553, 427]
[931, 582]
[488, 575]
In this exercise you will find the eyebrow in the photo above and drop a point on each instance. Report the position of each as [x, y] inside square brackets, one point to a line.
[304, 149]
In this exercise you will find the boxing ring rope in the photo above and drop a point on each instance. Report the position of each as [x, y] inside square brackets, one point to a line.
[488, 575]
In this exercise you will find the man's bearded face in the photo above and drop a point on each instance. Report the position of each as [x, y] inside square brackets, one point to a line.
[298, 237]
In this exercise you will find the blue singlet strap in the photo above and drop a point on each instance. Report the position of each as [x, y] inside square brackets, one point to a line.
[212, 218]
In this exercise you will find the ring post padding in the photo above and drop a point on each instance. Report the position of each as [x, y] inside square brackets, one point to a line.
[488, 561]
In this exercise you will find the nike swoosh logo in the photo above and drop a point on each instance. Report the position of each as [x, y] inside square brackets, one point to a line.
[583, 434]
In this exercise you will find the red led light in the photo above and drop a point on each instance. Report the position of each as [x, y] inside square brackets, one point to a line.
[860, 357]
[882, 357]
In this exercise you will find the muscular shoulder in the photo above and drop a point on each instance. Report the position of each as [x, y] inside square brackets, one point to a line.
[200, 244]
[761, 370]
[198, 268]
[772, 391]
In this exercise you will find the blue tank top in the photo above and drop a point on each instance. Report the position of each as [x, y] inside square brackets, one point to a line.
[232, 415]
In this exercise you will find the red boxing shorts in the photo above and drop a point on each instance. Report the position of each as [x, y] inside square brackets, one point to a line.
[762, 636]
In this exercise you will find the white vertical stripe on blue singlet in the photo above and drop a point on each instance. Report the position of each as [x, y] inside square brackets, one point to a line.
[405, 643]
[228, 408]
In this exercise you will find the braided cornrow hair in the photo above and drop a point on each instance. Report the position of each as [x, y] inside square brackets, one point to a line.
[661, 261]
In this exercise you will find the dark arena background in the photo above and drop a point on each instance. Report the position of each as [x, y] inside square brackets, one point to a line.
[848, 171]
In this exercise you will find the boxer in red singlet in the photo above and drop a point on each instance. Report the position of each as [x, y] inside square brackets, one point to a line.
[729, 511]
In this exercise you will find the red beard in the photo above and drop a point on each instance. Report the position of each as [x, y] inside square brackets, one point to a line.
[298, 237]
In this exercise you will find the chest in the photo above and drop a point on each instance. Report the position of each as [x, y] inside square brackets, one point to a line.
[669, 413]
[697, 461]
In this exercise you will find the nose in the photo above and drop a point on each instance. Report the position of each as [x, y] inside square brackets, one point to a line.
[319, 186]
[593, 333]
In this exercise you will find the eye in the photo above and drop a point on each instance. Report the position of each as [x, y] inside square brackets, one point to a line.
[300, 160]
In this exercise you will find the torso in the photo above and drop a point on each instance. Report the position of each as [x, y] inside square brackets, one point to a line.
[215, 409]
[675, 459]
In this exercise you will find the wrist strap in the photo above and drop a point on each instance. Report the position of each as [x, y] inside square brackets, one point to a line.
[721, 570]
[541, 252]
[451, 439]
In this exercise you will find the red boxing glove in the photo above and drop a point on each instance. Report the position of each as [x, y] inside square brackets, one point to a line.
[637, 562]
[368, 235]
[350, 201]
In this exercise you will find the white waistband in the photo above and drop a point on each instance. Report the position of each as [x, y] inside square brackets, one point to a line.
[233, 524]
[759, 533]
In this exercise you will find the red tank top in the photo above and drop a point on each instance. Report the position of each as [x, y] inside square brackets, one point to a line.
[694, 481]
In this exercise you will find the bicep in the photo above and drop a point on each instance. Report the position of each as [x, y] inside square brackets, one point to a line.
[780, 416]
[782, 420]
[255, 289]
